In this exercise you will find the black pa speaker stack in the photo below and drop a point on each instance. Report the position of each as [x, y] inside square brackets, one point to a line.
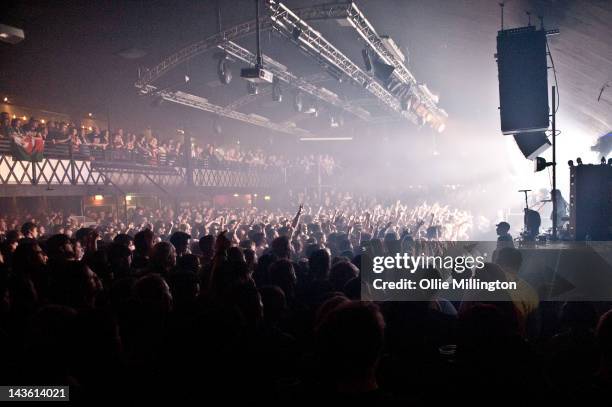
[523, 87]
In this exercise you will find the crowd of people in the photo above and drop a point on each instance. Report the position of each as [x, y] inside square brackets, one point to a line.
[268, 306]
[151, 149]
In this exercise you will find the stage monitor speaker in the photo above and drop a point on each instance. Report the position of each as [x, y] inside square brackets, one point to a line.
[532, 144]
[591, 202]
[523, 80]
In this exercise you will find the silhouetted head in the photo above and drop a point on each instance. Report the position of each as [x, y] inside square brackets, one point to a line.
[281, 247]
[163, 257]
[319, 263]
[282, 275]
[341, 273]
[349, 343]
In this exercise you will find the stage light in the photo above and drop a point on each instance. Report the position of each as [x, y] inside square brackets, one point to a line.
[298, 102]
[217, 126]
[236, 195]
[267, 198]
[128, 198]
[98, 197]
[312, 108]
[367, 60]
[5, 99]
[336, 119]
[42, 121]
[90, 114]
[296, 33]
[277, 92]
[223, 71]
[570, 163]
[90, 128]
[540, 164]
[255, 195]
[382, 71]
[10, 34]
[14, 116]
[157, 102]
[252, 89]
[25, 117]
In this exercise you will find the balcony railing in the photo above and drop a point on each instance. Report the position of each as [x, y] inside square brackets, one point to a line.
[87, 165]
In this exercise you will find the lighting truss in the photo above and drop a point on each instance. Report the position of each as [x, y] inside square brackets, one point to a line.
[301, 84]
[319, 12]
[246, 99]
[201, 103]
[315, 46]
[288, 23]
[365, 29]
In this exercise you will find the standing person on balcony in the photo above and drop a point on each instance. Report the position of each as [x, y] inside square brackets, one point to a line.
[63, 136]
[5, 125]
[153, 150]
[118, 143]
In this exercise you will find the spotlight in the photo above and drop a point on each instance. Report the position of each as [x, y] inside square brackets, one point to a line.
[5, 99]
[382, 71]
[10, 34]
[98, 198]
[336, 120]
[296, 33]
[570, 163]
[267, 198]
[367, 60]
[540, 164]
[217, 127]
[332, 122]
[406, 103]
[579, 161]
[252, 88]
[157, 102]
[223, 71]
[298, 102]
[277, 92]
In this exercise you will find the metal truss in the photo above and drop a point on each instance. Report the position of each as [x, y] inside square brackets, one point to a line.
[201, 103]
[267, 91]
[291, 26]
[365, 29]
[319, 12]
[75, 176]
[203, 177]
[287, 77]
[49, 171]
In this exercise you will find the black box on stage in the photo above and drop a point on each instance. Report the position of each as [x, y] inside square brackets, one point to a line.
[591, 202]
[523, 80]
